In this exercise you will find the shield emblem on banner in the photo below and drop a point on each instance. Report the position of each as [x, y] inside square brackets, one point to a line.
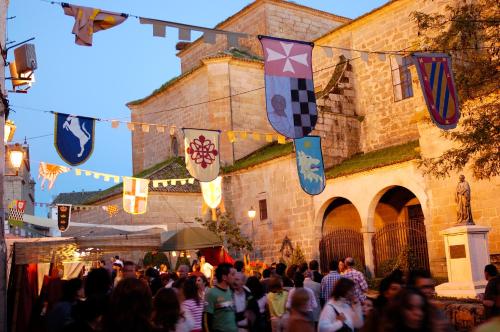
[310, 164]
[74, 137]
[438, 87]
[290, 99]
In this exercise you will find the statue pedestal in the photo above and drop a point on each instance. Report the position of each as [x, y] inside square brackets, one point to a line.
[466, 255]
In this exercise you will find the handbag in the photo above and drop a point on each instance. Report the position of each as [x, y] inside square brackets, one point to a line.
[345, 327]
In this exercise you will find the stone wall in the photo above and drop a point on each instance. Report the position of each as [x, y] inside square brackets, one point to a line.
[386, 122]
[290, 210]
[267, 17]
[175, 210]
[20, 187]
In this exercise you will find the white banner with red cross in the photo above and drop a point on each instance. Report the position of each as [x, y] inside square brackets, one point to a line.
[135, 195]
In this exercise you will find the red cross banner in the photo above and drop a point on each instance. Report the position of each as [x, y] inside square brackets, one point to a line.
[202, 153]
[135, 195]
[438, 87]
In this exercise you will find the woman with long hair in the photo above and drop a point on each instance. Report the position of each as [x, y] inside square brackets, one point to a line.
[167, 313]
[409, 311]
[129, 307]
[193, 303]
[257, 312]
[343, 311]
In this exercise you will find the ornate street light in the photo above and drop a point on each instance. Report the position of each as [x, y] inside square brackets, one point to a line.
[16, 156]
[252, 213]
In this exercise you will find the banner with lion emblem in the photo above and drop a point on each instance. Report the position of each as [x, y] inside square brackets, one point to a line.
[74, 137]
[201, 149]
[310, 164]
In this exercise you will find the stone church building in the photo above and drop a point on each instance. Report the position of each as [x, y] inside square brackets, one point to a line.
[377, 205]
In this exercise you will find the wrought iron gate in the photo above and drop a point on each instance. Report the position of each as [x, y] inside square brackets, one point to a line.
[401, 243]
[341, 243]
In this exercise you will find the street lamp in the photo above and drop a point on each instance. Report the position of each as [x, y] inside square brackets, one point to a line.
[251, 214]
[16, 156]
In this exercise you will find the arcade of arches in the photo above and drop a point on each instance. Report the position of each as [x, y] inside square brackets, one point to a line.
[399, 232]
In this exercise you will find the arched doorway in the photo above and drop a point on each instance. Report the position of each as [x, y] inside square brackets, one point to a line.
[341, 233]
[400, 238]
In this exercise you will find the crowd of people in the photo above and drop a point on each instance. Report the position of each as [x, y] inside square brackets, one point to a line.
[297, 298]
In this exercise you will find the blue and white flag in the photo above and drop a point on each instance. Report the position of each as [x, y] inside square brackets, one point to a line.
[310, 164]
[74, 137]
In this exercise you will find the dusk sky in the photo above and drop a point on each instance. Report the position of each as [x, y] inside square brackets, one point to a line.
[125, 63]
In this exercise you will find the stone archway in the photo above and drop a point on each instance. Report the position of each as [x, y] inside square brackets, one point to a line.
[400, 236]
[341, 233]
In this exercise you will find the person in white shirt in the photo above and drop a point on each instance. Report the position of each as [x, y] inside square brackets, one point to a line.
[240, 296]
[342, 310]
[312, 304]
[316, 289]
[206, 268]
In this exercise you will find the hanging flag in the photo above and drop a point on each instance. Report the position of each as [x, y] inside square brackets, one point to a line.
[112, 210]
[63, 216]
[290, 99]
[310, 164]
[16, 213]
[212, 196]
[49, 172]
[202, 153]
[438, 87]
[90, 20]
[74, 137]
[135, 195]
[212, 192]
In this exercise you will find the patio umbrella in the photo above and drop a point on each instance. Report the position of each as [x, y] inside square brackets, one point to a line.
[188, 239]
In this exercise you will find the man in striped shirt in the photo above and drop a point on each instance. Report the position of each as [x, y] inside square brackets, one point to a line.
[360, 285]
[329, 281]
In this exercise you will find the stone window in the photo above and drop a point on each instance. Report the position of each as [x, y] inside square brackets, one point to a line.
[263, 209]
[401, 78]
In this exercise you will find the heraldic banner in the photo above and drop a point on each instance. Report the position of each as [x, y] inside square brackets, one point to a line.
[63, 216]
[436, 79]
[290, 99]
[90, 20]
[74, 137]
[310, 164]
[16, 213]
[202, 153]
[135, 195]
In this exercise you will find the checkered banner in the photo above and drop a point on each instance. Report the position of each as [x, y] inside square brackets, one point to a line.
[290, 99]
[135, 195]
[16, 213]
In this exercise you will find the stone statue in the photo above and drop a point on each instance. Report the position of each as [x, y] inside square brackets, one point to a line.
[462, 198]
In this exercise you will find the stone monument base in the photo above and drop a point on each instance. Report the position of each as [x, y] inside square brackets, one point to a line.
[466, 256]
[461, 289]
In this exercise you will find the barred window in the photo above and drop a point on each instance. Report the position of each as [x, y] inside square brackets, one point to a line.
[263, 209]
[401, 78]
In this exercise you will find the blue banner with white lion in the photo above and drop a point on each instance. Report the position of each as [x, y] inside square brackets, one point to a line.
[74, 137]
[310, 164]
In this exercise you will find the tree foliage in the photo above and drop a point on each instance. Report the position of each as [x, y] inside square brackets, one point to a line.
[228, 231]
[470, 33]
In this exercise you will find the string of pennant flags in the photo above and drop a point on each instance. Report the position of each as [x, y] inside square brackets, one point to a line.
[290, 105]
[112, 210]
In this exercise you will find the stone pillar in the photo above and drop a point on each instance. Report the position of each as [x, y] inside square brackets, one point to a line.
[368, 248]
[466, 255]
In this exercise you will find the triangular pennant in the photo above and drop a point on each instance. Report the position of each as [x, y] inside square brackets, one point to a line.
[184, 34]
[256, 136]
[159, 28]
[231, 136]
[363, 56]
[145, 128]
[310, 164]
[381, 56]
[115, 123]
[209, 37]
[269, 138]
[160, 129]
[131, 126]
[202, 153]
